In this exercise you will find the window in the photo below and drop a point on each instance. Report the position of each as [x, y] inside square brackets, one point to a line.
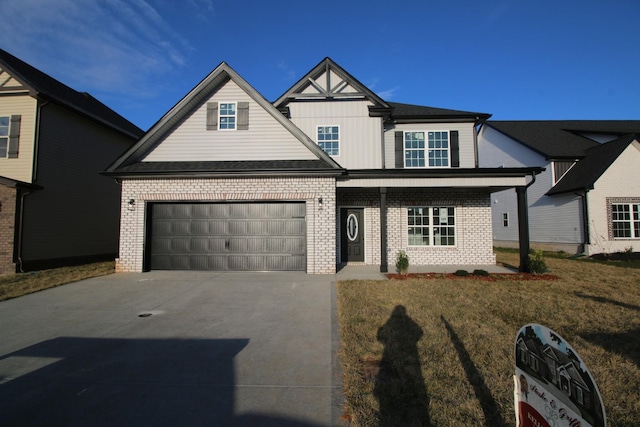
[431, 226]
[432, 151]
[4, 136]
[625, 220]
[560, 169]
[329, 139]
[505, 219]
[228, 115]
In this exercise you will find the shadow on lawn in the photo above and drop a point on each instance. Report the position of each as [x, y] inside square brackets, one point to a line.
[399, 385]
[625, 344]
[489, 406]
[607, 301]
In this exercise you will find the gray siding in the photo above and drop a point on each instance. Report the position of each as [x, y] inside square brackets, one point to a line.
[266, 138]
[77, 211]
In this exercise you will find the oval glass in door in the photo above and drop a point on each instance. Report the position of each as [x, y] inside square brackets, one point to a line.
[352, 227]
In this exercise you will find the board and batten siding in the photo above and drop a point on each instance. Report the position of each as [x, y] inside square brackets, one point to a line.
[20, 168]
[465, 140]
[77, 211]
[618, 183]
[266, 138]
[360, 135]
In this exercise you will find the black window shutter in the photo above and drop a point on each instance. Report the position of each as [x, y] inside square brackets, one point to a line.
[455, 149]
[399, 149]
[14, 136]
[212, 116]
[243, 115]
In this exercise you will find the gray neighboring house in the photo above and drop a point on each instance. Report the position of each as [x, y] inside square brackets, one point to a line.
[328, 174]
[55, 207]
[588, 198]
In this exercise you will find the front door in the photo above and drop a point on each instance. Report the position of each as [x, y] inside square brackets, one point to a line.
[352, 225]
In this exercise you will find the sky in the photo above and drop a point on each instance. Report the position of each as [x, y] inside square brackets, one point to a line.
[514, 59]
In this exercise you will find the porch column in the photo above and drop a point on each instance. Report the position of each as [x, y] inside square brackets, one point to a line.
[384, 264]
[523, 228]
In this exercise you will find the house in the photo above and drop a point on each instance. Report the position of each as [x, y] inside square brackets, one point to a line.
[588, 198]
[326, 175]
[55, 207]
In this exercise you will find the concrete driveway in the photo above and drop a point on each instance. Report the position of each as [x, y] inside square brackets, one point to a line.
[173, 349]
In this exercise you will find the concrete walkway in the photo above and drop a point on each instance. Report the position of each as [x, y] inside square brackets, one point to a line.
[173, 348]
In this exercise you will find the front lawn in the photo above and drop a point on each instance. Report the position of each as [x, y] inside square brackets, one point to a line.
[440, 351]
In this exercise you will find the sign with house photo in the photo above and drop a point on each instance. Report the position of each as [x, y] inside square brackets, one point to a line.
[553, 387]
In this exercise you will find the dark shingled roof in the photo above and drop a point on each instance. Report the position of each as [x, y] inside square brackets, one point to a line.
[584, 174]
[51, 89]
[409, 111]
[558, 139]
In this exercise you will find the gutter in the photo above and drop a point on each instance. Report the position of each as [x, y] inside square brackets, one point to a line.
[523, 224]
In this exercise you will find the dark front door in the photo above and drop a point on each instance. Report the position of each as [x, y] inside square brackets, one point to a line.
[352, 225]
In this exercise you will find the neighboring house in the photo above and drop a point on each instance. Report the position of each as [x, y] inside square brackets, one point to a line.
[588, 198]
[328, 174]
[55, 207]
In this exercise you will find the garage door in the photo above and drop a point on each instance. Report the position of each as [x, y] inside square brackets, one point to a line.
[228, 236]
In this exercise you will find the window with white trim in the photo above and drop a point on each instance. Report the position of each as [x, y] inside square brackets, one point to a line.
[560, 168]
[505, 219]
[625, 220]
[227, 115]
[427, 149]
[329, 139]
[4, 136]
[431, 226]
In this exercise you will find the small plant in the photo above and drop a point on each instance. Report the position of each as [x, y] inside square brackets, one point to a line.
[478, 272]
[535, 262]
[461, 273]
[402, 262]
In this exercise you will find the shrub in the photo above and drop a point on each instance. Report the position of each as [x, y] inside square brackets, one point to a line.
[480, 272]
[402, 262]
[462, 273]
[535, 262]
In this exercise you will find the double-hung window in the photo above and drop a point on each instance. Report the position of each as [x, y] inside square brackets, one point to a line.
[427, 149]
[625, 220]
[329, 139]
[4, 136]
[431, 226]
[227, 115]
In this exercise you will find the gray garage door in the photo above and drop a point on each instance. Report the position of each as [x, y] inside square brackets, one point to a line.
[228, 236]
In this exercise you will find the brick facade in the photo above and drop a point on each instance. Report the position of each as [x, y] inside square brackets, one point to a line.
[321, 239]
[7, 228]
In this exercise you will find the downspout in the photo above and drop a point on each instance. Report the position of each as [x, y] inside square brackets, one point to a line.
[36, 148]
[523, 224]
[585, 220]
[18, 238]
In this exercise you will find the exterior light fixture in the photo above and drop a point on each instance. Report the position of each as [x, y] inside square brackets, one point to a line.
[132, 205]
[319, 200]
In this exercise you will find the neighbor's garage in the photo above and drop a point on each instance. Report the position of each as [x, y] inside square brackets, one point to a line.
[227, 236]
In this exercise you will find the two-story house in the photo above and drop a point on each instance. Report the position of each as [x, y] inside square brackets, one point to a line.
[588, 198]
[55, 207]
[327, 174]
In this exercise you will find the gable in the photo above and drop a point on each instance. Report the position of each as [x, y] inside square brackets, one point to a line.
[8, 83]
[265, 138]
[622, 172]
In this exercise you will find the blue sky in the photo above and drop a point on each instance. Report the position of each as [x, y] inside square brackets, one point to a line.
[515, 59]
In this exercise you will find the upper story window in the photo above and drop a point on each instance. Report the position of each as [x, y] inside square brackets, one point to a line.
[329, 139]
[560, 169]
[4, 136]
[426, 149]
[227, 115]
[9, 136]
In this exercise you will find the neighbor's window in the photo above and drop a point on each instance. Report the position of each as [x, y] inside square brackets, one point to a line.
[4, 136]
[625, 220]
[431, 226]
[423, 149]
[329, 139]
[227, 115]
[505, 219]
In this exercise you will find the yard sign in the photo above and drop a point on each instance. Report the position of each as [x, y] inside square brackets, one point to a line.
[553, 387]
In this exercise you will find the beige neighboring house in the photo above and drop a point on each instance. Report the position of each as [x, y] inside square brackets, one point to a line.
[55, 207]
[328, 174]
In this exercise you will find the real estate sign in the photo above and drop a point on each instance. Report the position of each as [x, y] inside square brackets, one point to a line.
[553, 387]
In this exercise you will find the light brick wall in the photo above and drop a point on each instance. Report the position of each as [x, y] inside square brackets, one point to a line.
[7, 228]
[321, 239]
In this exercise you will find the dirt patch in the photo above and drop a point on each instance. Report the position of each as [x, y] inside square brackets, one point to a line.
[493, 277]
[617, 256]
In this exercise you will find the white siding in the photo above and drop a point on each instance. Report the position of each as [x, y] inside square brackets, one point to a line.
[465, 135]
[20, 168]
[619, 181]
[360, 135]
[266, 138]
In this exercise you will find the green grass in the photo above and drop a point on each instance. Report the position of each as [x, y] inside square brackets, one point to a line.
[449, 361]
[16, 285]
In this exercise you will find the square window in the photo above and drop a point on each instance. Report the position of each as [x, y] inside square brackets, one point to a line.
[424, 222]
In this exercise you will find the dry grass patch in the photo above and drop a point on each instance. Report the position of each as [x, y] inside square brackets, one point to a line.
[16, 285]
[449, 359]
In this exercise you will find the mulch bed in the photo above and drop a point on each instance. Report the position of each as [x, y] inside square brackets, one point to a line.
[492, 277]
